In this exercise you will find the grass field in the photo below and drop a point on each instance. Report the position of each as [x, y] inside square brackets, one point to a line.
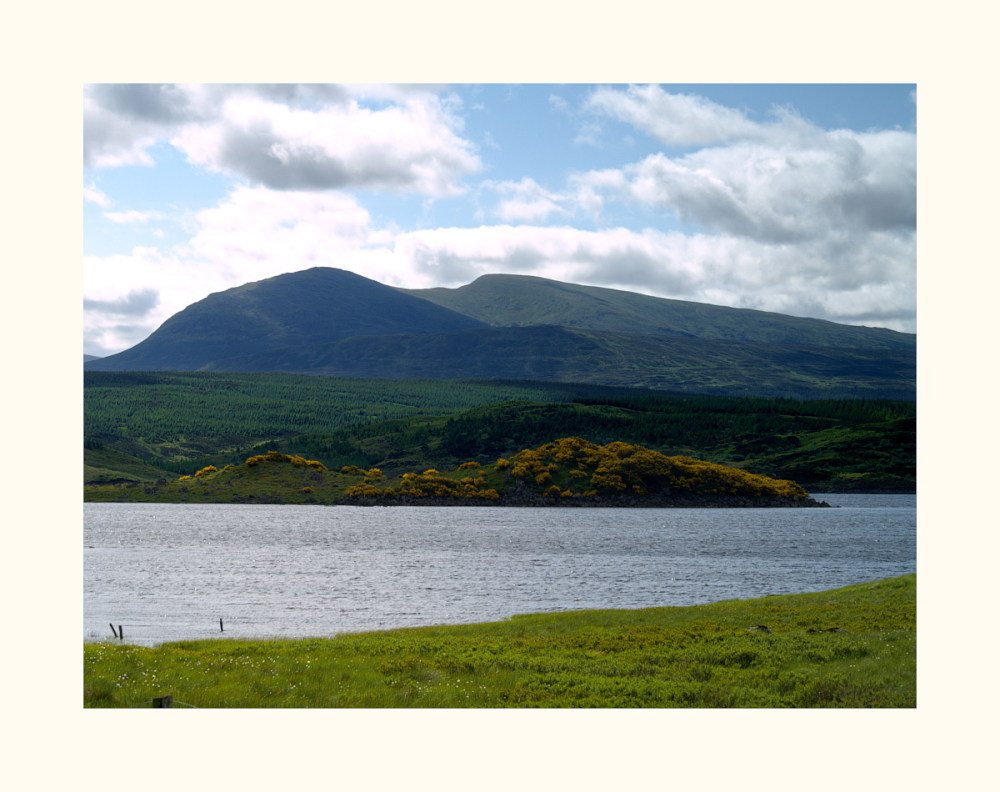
[852, 647]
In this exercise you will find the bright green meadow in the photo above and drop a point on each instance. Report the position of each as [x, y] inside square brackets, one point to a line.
[851, 647]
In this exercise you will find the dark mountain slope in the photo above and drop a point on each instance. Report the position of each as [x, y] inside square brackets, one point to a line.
[573, 355]
[522, 300]
[307, 308]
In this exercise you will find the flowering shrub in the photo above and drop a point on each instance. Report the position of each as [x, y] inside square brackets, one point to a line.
[277, 456]
[622, 467]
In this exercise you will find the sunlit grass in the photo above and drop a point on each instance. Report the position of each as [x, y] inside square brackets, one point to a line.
[701, 656]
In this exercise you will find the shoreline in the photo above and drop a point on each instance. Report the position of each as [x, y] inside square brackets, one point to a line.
[811, 649]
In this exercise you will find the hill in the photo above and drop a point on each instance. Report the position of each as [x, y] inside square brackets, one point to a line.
[523, 300]
[315, 306]
[329, 322]
[563, 354]
[566, 472]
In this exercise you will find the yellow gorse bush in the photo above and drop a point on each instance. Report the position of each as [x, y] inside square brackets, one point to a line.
[551, 470]
[620, 467]
[277, 456]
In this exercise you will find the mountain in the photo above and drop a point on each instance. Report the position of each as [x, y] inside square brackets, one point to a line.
[523, 300]
[334, 323]
[299, 309]
[565, 354]
[87, 358]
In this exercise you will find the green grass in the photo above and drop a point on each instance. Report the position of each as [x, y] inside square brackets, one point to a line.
[700, 656]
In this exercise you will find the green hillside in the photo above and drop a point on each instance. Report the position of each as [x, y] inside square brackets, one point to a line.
[524, 300]
[180, 422]
[561, 354]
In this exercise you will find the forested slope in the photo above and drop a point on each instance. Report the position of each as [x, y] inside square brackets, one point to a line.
[176, 423]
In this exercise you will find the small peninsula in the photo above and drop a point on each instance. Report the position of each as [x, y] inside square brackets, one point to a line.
[569, 471]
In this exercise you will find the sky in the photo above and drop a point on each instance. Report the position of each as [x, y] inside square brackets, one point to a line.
[799, 199]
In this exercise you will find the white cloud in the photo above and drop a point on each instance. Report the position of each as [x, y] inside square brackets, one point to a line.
[263, 232]
[287, 137]
[92, 195]
[405, 147]
[132, 216]
[530, 202]
[674, 119]
[784, 181]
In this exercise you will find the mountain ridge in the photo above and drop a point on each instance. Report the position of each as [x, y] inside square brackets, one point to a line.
[502, 300]
[329, 322]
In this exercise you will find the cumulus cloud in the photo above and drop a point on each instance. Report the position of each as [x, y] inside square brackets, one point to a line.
[135, 303]
[528, 201]
[786, 181]
[257, 230]
[287, 137]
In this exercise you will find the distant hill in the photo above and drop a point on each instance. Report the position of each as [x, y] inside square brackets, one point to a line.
[334, 323]
[522, 300]
[315, 306]
[90, 357]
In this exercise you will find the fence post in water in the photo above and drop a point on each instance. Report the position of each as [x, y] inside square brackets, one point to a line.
[220, 626]
[163, 702]
[113, 630]
[121, 633]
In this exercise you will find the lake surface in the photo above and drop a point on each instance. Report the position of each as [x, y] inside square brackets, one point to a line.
[168, 572]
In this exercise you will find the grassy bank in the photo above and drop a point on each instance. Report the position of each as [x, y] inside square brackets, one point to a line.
[852, 647]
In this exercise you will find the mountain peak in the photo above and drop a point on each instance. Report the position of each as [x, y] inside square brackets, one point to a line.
[310, 307]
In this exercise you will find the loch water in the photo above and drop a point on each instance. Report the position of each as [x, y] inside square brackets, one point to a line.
[168, 572]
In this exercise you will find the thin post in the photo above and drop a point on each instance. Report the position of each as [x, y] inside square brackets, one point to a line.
[121, 633]
[220, 626]
[113, 630]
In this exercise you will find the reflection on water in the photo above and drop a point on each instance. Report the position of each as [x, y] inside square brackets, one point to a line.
[170, 572]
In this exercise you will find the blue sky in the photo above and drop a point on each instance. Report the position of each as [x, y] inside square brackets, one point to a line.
[798, 198]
